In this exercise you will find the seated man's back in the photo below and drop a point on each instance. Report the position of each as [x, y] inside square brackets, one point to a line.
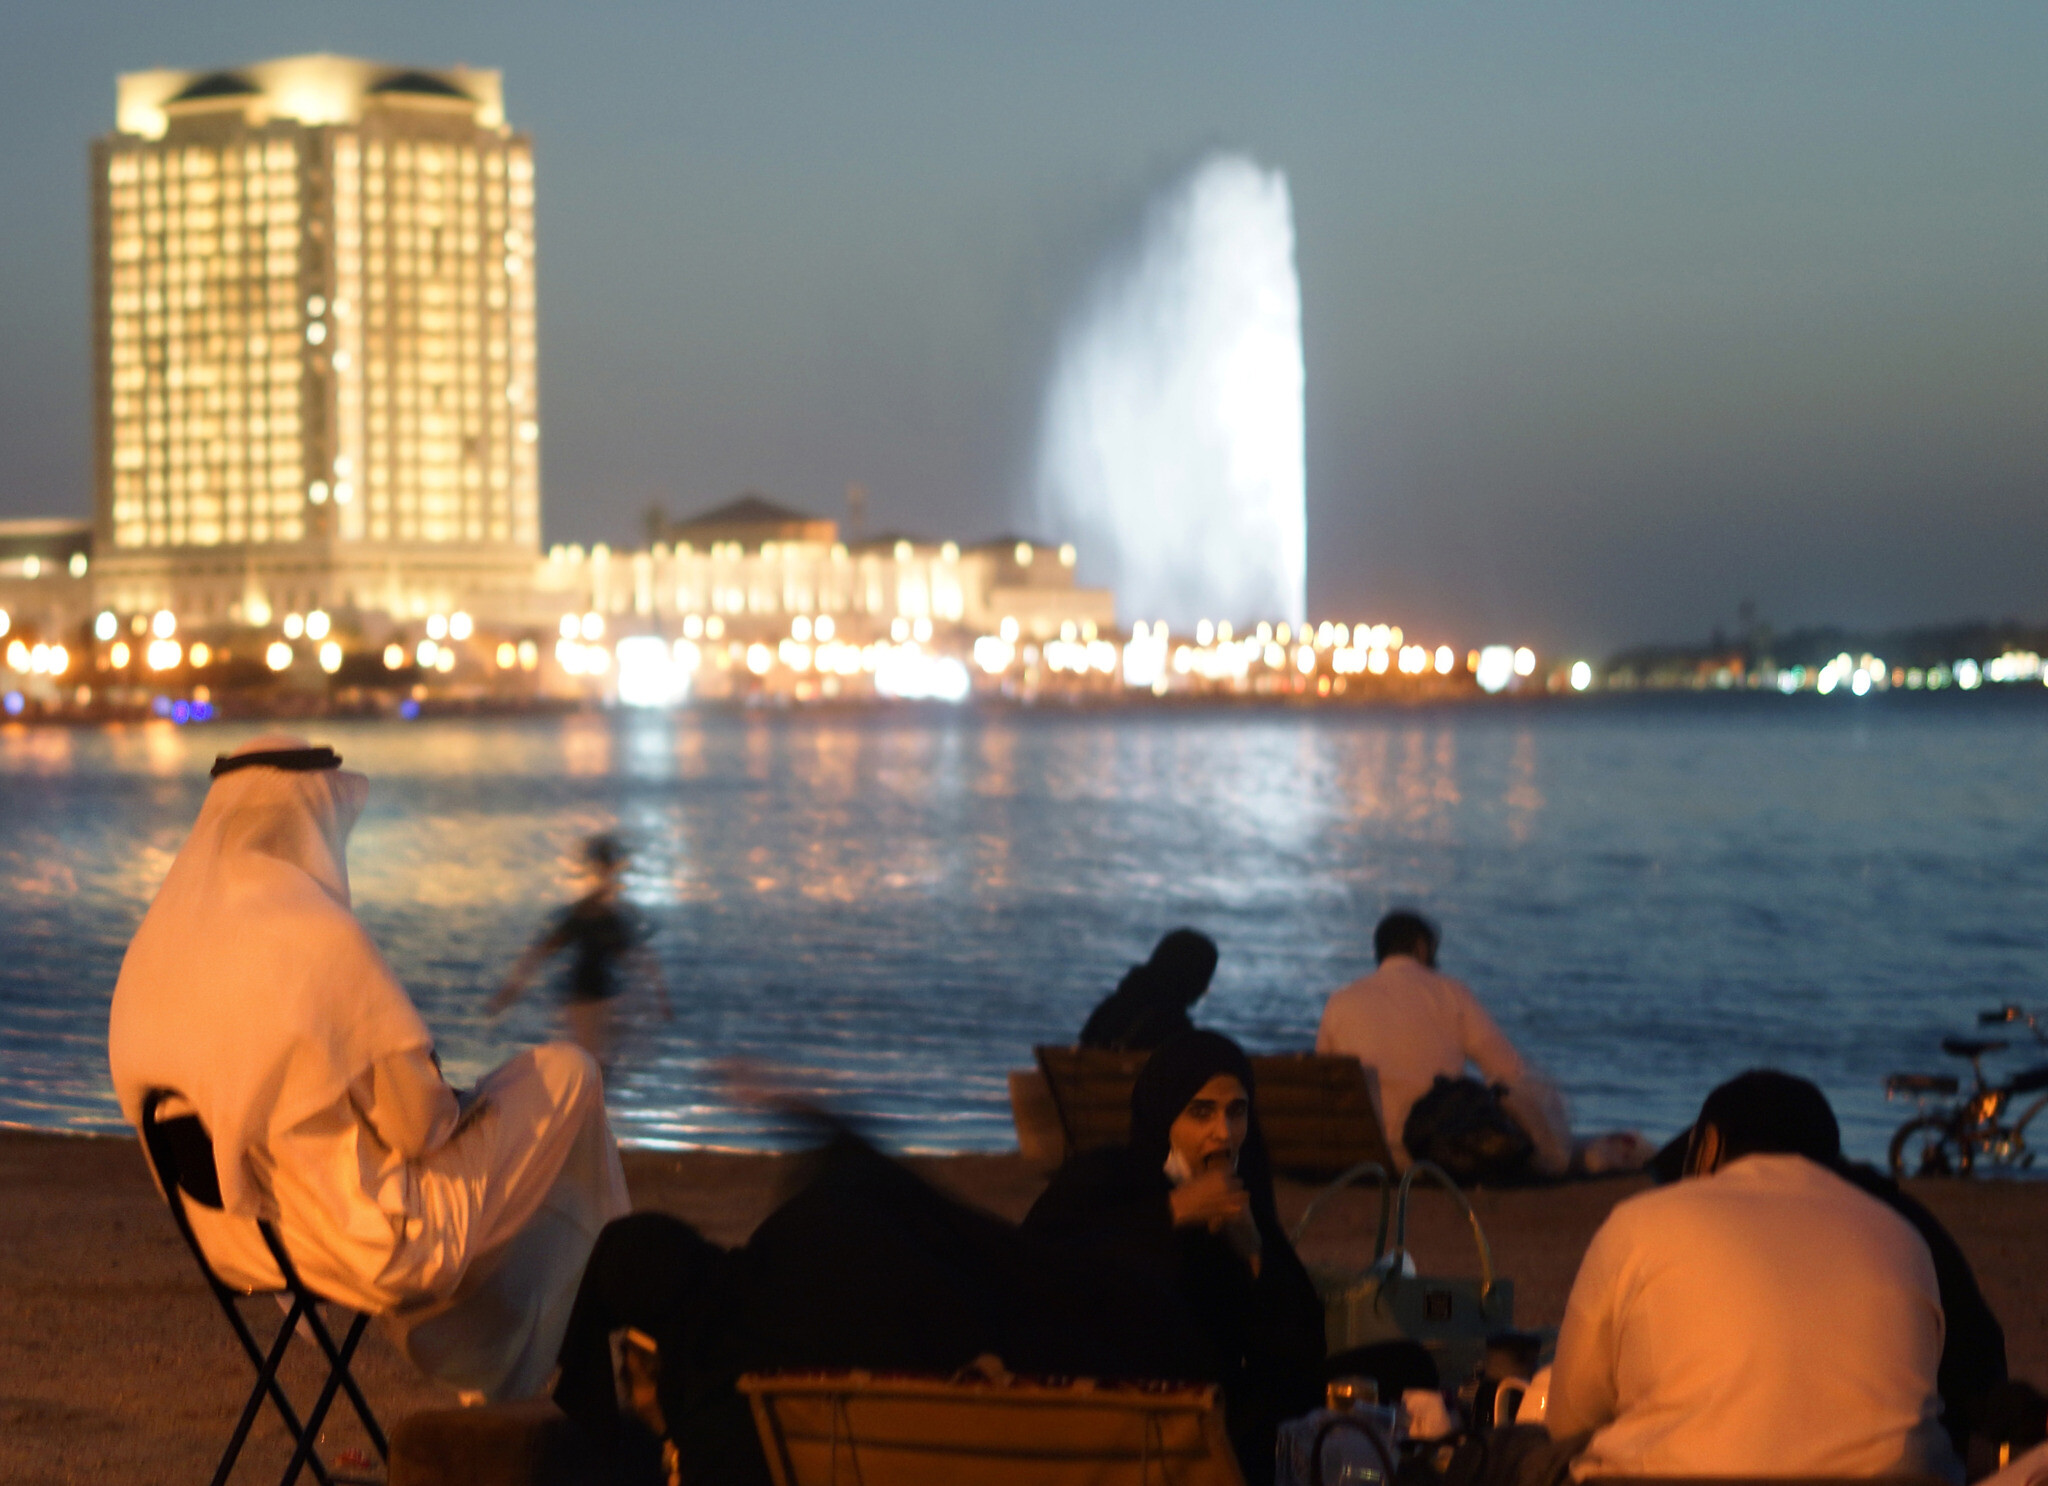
[1768, 1319]
[1409, 1025]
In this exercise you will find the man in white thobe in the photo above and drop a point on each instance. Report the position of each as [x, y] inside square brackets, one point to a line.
[1411, 1025]
[254, 997]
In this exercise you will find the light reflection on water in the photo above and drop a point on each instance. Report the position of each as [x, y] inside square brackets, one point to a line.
[894, 907]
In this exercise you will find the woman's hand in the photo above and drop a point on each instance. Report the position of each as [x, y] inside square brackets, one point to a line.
[1210, 1200]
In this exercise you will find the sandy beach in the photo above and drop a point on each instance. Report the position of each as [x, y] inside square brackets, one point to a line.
[116, 1366]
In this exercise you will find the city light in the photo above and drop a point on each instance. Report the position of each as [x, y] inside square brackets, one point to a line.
[460, 626]
[103, 628]
[294, 626]
[279, 656]
[649, 675]
[994, 654]
[17, 657]
[1525, 662]
[823, 627]
[1496, 668]
[437, 626]
[593, 626]
[317, 625]
[330, 657]
[162, 655]
[6, 623]
[1446, 658]
[200, 653]
[164, 625]
[1582, 675]
[507, 655]
[120, 654]
[909, 674]
[569, 629]
[394, 656]
[529, 655]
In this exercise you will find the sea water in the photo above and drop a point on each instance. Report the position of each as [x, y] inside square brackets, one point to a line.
[887, 909]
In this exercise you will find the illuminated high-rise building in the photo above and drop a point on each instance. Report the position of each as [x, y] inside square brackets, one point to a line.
[314, 344]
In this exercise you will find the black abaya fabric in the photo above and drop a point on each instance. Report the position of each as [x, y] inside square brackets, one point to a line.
[867, 1266]
[1150, 1004]
[1266, 1328]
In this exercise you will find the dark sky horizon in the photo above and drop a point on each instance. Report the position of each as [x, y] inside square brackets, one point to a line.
[1614, 316]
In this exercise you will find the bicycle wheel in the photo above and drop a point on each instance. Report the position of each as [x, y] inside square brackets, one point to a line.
[2021, 1156]
[1923, 1147]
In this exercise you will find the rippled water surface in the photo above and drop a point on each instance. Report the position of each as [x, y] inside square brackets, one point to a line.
[895, 907]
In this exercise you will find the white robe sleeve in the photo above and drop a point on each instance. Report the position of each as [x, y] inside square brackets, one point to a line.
[411, 1108]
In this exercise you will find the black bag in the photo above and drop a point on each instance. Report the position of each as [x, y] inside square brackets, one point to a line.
[1462, 1126]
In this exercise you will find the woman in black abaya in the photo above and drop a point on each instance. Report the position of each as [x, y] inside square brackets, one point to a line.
[1150, 1004]
[1189, 1201]
[867, 1266]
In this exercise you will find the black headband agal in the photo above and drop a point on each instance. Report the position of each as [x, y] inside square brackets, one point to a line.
[297, 760]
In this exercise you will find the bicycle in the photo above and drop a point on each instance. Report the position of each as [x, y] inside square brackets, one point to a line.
[1955, 1140]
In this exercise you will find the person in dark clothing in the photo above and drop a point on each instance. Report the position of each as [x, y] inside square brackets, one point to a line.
[866, 1266]
[1767, 1110]
[603, 930]
[1150, 1004]
[1190, 1201]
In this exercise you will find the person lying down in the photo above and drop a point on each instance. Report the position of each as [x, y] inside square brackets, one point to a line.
[254, 997]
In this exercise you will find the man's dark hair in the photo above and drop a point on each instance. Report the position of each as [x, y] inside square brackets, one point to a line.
[1404, 931]
[606, 853]
[1764, 1111]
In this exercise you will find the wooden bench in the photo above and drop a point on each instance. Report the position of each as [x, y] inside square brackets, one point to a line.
[1317, 1111]
[838, 1429]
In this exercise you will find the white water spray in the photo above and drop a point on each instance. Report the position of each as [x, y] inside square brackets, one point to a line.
[1171, 444]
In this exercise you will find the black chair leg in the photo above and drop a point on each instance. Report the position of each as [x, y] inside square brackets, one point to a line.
[338, 1362]
[337, 1373]
[266, 1382]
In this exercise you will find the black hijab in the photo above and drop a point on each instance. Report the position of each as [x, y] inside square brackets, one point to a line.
[1176, 1073]
[1150, 1004]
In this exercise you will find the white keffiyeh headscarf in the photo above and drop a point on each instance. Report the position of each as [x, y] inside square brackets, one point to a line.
[250, 989]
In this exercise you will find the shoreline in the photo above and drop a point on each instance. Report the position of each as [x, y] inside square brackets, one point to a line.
[115, 1365]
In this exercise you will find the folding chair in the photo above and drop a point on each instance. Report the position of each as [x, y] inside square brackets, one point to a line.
[181, 1153]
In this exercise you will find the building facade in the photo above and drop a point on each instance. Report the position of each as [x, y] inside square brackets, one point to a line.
[314, 345]
[754, 566]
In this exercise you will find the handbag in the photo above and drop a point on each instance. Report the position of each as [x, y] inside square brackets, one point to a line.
[1462, 1126]
[1451, 1316]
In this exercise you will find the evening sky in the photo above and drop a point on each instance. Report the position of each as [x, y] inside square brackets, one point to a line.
[1614, 315]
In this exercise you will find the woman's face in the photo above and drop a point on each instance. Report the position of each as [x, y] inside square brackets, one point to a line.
[1208, 1134]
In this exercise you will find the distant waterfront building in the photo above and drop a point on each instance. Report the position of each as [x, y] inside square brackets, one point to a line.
[755, 565]
[46, 585]
[314, 348]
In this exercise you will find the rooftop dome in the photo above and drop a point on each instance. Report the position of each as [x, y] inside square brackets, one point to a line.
[423, 84]
[215, 85]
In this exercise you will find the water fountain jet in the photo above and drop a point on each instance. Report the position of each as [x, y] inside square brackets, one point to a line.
[1171, 442]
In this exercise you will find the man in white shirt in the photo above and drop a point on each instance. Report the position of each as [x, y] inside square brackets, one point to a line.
[1763, 1317]
[1410, 1025]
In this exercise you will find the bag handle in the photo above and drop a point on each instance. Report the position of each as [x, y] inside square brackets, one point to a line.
[1443, 1179]
[1357, 1173]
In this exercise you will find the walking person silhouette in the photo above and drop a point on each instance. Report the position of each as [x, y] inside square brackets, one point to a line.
[606, 933]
